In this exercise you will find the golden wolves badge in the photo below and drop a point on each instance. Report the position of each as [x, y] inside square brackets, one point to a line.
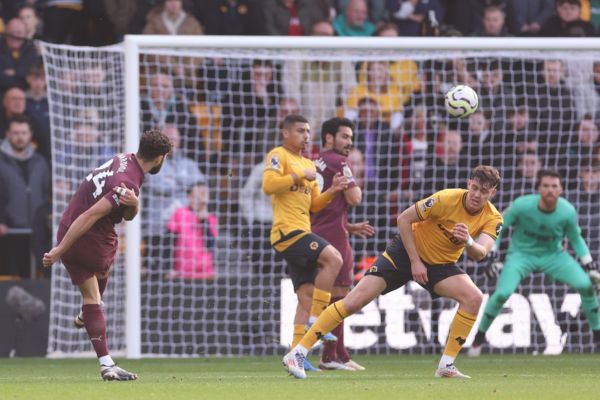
[314, 245]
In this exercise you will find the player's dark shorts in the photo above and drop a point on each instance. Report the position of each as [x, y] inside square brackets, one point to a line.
[398, 275]
[87, 256]
[302, 257]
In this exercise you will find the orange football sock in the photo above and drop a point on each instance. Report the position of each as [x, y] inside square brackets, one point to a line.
[299, 331]
[459, 330]
[320, 301]
[329, 319]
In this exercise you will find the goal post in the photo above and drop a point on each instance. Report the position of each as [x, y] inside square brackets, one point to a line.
[244, 306]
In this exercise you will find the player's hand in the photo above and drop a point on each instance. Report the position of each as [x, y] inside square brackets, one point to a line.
[419, 272]
[361, 229]
[3, 229]
[492, 266]
[592, 270]
[339, 183]
[310, 174]
[51, 257]
[461, 232]
[127, 197]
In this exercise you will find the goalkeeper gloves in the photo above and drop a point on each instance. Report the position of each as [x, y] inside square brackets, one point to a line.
[492, 266]
[591, 268]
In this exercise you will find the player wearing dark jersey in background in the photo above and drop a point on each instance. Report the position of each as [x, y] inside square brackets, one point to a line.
[331, 224]
[87, 241]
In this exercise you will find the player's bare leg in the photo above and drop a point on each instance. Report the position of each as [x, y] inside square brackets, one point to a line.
[95, 325]
[367, 289]
[304, 295]
[462, 289]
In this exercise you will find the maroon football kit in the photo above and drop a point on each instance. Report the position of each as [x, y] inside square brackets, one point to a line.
[95, 250]
[330, 222]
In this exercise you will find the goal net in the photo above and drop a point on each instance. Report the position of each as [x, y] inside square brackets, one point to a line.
[209, 282]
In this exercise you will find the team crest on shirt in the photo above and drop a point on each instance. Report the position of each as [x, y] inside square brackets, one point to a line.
[314, 245]
[427, 204]
[498, 229]
[373, 268]
[347, 173]
[275, 163]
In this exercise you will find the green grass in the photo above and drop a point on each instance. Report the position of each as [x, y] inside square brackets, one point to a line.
[387, 377]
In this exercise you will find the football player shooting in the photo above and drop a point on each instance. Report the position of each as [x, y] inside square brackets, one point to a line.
[433, 235]
[87, 241]
[540, 223]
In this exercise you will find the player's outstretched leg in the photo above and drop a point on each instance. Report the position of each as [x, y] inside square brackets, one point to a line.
[294, 363]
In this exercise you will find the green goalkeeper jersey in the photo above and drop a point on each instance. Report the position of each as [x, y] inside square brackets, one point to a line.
[540, 232]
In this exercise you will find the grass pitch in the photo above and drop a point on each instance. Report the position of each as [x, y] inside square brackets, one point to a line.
[387, 377]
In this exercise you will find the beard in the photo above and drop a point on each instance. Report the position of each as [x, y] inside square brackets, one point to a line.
[156, 168]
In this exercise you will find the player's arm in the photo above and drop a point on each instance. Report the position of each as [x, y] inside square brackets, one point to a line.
[129, 199]
[274, 182]
[320, 200]
[405, 221]
[78, 228]
[581, 249]
[478, 248]
[353, 196]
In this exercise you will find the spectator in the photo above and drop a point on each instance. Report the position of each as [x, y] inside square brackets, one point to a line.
[28, 15]
[164, 193]
[25, 177]
[36, 103]
[356, 161]
[231, 17]
[410, 15]
[353, 21]
[495, 96]
[377, 11]
[378, 86]
[121, 15]
[196, 231]
[64, 22]
[292, 17]
[16, 55]
[87, 147]
[13, 104]
[582, 146]
[587, 197]
[249, 113]
[524, 181]
[448, 168]
[171, 19]
[525, 17]
[467, 15]
[479, 141]
[552, 106]
[318, 86]
[415, 151]
[99, 29]
[161, 106]
[373, 137]
[567, 12]
[493, 23]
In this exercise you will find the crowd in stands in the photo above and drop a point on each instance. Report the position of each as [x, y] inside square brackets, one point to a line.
[223, 115]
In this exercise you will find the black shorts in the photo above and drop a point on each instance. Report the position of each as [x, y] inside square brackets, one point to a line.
[399, 273]
[302, 257]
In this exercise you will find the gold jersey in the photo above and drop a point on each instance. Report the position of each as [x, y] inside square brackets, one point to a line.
[291, 207]
[439, 213]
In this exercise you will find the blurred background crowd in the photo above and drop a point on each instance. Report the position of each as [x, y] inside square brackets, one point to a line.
[222, 116]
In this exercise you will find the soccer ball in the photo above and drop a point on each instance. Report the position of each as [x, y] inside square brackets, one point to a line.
[461, 101]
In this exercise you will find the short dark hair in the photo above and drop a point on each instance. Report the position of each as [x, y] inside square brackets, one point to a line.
[292, 119]
[332, 125]
[153, 143]
[191, 187]
[542, 173]
[486, 175]
[19, 119]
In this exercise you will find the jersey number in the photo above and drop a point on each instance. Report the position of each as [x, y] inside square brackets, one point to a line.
[98, 177]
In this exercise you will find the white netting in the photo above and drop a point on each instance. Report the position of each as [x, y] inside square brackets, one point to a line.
[537, 109]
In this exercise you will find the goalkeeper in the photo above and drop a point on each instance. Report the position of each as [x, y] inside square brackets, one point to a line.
[540, 223]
